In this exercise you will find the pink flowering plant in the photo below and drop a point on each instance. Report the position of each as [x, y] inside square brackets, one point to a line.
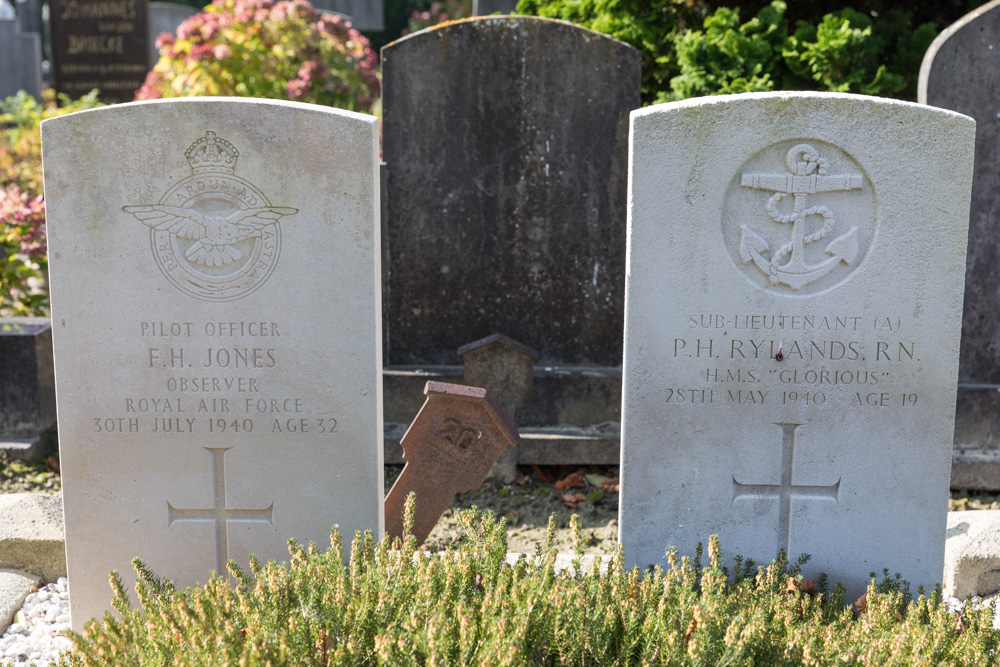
[280, 49]
[22, 208]
[22, 253]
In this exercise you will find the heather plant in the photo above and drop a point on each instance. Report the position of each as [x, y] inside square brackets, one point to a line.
[391, 604]
[23, 261]
[262, 48]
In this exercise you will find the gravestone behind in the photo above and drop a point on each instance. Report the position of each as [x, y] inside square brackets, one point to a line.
[99, 44]
[165, 17]
[364, 15]
[794, 299]
[214, 400]
[27, 387]
[29, 16]
[504, 140]
[21, 55]
[487, 7]
[961, 72]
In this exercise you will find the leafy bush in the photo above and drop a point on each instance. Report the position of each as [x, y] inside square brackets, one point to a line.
[263, 48]
[22, 206]
[395, 605]
[688, 52]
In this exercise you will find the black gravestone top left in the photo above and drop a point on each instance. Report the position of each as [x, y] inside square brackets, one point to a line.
[100, 44]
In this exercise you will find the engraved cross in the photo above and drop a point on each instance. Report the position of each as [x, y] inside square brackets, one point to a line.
[785, 490]
[220, 513]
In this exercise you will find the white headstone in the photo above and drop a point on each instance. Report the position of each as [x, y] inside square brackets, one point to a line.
[793, 308]
[215, 295]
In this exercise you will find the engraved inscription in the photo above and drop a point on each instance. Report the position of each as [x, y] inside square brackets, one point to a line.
[458, 435]
[214, 235]
[785, 490]
[804, 227]
[220, 513]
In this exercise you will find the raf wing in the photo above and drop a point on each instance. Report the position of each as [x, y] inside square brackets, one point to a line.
[184, 222]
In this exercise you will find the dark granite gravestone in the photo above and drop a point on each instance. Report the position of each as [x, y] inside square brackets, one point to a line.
[27, 387]
[505, 143]
[100, 44]
[961, 72]
[20, 53]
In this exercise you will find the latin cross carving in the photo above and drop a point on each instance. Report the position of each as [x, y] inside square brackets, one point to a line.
[220, 513]
[786, 490]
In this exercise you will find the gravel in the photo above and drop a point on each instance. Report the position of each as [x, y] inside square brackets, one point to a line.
[38, 632]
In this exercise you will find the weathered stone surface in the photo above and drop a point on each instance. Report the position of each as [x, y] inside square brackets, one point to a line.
[449, 448]
[31, 534]
[27, 387]
[972, 553]
[99, 45]
[505, 146]
[217, 343]
[14, 587]
[505, 368]
[165, 17]
[961, 72]
[794, 295]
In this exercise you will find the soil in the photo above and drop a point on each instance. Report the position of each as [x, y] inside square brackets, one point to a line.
[527, 504]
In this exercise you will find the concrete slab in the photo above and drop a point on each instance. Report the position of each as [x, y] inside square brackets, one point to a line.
[31, 534]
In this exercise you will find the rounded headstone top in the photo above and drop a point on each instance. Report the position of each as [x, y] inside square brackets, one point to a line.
[938, 45]
[503, 25]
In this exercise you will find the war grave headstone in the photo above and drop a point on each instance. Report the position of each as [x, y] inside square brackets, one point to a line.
[505, 151]
[165, 17]
[961, 72]
[793, 306]
[20, 53]
[99, 44]
[27, 388]
[226, 395]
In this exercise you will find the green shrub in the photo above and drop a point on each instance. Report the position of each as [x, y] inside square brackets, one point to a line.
[395, 605]
[263, 48]
[687, 52]
[23, 261]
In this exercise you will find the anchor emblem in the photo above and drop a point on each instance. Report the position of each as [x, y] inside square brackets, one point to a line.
[808, 176]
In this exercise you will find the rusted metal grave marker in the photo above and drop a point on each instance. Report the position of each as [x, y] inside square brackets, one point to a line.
[450, 447]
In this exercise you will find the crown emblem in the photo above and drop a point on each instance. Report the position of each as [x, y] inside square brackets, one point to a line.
[211, 153]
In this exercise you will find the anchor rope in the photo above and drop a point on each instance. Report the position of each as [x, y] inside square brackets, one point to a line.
[777, 216]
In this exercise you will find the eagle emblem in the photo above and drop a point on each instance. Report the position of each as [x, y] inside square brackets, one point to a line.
[214, 235]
